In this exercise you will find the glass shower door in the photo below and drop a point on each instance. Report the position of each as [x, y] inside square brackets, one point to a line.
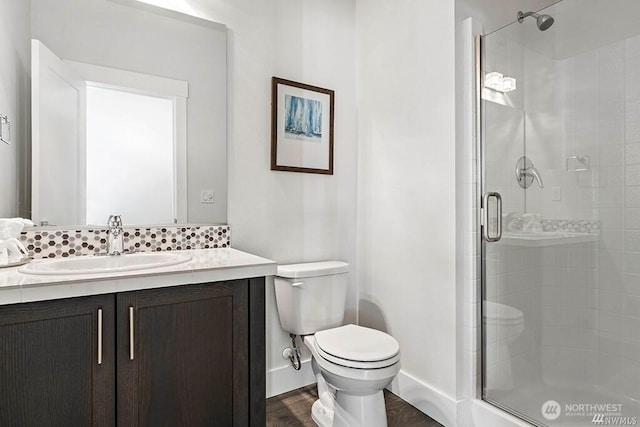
[561, 286]
[509, 270]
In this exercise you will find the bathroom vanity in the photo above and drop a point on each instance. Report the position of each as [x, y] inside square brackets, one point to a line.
[175, 345]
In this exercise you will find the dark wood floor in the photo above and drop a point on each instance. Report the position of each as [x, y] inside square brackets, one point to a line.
[294, 409]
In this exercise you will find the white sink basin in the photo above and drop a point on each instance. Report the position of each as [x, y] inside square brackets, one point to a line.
[104, 264]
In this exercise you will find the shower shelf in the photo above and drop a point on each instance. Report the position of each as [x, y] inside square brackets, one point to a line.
[546, 238]
[578, 163]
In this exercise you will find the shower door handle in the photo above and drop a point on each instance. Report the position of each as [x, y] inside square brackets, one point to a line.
[486, 235]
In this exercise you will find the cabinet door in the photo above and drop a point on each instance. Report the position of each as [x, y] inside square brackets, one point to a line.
[49, 370]
[183, 356]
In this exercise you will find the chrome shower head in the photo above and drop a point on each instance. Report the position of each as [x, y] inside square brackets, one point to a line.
[544, 22]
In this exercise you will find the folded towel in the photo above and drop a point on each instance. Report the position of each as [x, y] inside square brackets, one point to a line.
[12, 227]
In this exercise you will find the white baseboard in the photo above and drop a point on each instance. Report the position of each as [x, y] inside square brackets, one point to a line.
[283, 379]
[427, 399]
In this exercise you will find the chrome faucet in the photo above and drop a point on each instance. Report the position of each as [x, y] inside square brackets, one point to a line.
[115, 243]
[526, 172]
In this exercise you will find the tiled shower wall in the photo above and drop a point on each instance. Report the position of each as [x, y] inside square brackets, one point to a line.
[51, 243]
[602, 110]
[568, 295]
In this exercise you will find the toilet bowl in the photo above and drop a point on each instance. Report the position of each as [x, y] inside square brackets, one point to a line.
[353, 364]
[357, 363]
[503, 324]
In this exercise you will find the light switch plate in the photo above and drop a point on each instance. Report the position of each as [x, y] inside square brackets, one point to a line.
[207, 196]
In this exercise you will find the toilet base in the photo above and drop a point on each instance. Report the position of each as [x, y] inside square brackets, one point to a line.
[351, 411]
[362, 411]
[321, 415]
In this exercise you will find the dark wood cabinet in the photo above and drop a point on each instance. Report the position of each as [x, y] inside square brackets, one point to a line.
[49, 371]
[178, 356]
[189, 363]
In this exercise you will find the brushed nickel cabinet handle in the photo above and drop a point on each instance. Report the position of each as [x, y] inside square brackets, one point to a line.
[99, 336]
[131, 328]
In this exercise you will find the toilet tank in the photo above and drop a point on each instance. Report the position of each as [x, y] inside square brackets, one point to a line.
[311, 297]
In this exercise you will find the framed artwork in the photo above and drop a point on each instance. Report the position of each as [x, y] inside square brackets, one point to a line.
[301, 127]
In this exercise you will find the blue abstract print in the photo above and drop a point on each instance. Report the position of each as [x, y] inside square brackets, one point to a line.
[303, 118]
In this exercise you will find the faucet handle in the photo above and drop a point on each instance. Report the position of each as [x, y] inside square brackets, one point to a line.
[532, 171]
[114, 221]
[526, 172]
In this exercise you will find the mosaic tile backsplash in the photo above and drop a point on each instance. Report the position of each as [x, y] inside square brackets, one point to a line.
[571, 225]
[52, 243]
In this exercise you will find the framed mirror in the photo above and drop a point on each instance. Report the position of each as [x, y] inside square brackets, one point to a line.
[128, 114]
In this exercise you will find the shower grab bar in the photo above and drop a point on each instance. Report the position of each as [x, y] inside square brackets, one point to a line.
[486, 235]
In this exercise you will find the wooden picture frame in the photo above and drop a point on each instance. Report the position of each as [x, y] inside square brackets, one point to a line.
[301, 127]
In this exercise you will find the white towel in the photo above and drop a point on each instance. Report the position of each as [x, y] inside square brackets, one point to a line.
[11, 249]
[12, 227]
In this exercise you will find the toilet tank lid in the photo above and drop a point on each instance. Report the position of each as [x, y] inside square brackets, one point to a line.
[312, 269]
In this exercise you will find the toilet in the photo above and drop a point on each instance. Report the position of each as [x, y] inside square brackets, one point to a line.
[353, 364]
[503, 324]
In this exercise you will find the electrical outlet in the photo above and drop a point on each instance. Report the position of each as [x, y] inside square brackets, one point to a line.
[556, 195]
[207, 196]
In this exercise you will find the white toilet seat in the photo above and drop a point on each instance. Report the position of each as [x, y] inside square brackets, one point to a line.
[354, 364]
[357, 347]
[362, 374]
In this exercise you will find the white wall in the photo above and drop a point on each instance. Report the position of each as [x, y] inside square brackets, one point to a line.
[406, 191]
[15, 68]
[405, 117]
[106, 33]
[289, 217]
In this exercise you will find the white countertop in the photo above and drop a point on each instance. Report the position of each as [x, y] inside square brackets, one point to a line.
[206, 265]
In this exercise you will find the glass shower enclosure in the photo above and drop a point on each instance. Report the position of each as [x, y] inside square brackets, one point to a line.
[560, 178]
